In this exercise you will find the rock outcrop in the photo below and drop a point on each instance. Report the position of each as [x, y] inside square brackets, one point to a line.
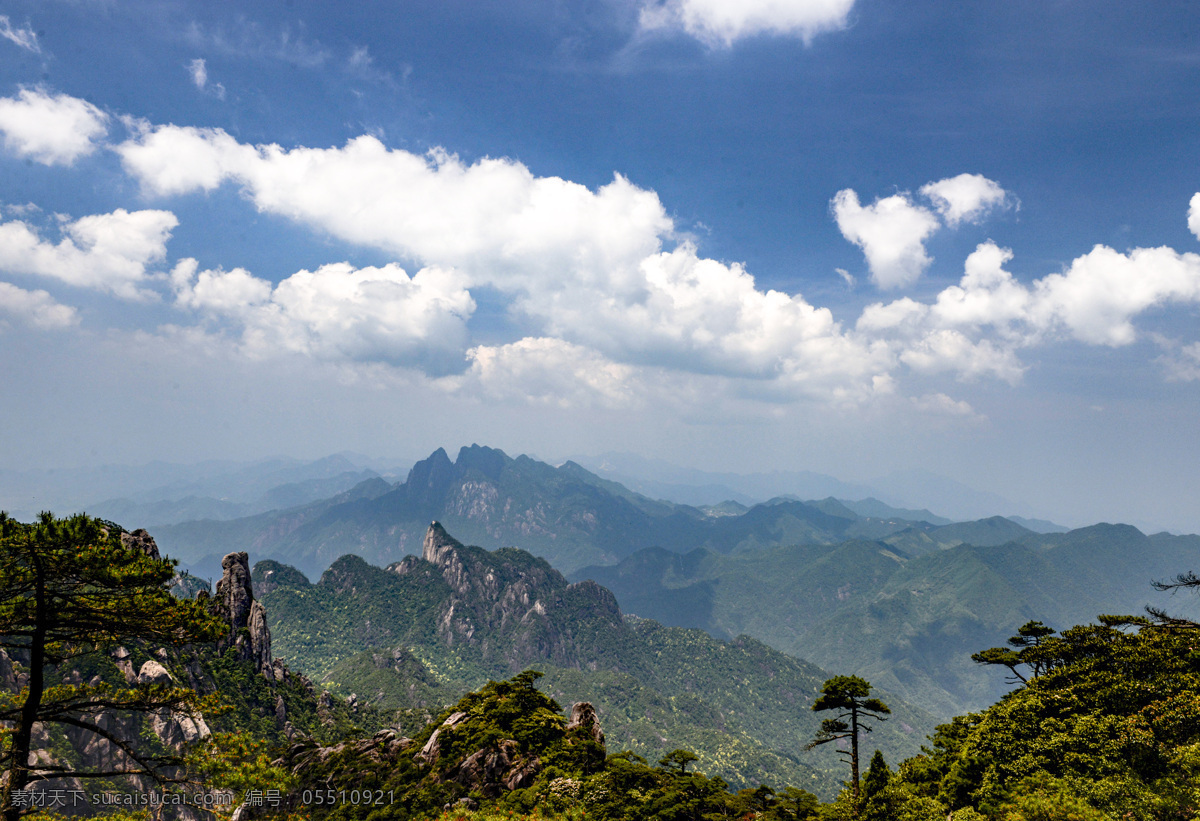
[511, 602]
[247, 618]
[494, 769]
[583, 716]
[141, 540]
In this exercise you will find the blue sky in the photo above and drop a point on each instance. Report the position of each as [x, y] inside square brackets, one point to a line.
[845, 236]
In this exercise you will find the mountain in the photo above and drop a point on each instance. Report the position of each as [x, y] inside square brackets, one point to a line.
[908, 611]
[415, 635]
[565, 514]
[164, 493]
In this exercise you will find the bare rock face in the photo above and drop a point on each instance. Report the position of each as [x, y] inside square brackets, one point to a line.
[121, 656]
[8, 673]
[511, 600]
[154, 673]
[583, 715]
[235, 592]
[143, 541]
[429, 753]
[495, 769]
[235, 603]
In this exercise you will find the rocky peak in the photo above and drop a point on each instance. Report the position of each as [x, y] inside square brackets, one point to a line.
[235, 603]
[583, 716]
[514, 605]
[143, 541]
[439, 546]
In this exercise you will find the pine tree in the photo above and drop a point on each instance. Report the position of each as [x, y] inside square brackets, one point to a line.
[850, 695]
[68, 587]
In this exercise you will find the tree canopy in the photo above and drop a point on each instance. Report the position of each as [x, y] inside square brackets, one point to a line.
[851, 697]
[68, 588]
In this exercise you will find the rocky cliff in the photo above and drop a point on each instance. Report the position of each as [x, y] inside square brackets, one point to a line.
[247, 619]
[515, 608]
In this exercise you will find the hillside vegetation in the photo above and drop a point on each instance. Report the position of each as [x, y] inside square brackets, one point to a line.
[414, 635]
[908, 610]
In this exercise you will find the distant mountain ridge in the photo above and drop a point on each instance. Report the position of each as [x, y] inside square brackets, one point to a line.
[907, 610]
[566, 514]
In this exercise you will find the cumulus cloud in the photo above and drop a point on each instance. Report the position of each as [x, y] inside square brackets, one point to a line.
[338, 312]
[35, 308]
[107, 252]
[721, 22]
[546, 370]
[606, 287]
[966, 198]
[1194, 215]
[977, 327]
[587, 266]
[891, 232]
[1099, 294]
[24, 37]
[53, 130]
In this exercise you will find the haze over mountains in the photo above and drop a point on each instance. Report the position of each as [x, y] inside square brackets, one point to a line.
[900, 595]
[567, 514]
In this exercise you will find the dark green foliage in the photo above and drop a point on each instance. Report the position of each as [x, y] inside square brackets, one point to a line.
[903, 616]
[1111, 724]
[739, 706]
[850, 697]
[69, 588]
[513, 715]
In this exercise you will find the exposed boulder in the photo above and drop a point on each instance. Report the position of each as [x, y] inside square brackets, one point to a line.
[143, 541]
[429, 753]
[494, 769]
[154, 673]
[583, 716]
[121, 657]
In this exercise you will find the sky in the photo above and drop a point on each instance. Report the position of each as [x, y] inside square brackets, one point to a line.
[847, 236]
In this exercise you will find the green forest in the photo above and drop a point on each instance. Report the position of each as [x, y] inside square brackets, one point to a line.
[116, 681]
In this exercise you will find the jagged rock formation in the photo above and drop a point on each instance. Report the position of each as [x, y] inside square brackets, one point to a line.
[235, 602]
[517, 598]
[141, 540]
[583, 716]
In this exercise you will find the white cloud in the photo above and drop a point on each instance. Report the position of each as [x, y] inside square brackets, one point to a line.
[976, 328]
[587, 266]
[951, 350]
[36, 308]
[892, 233]
[25, 37]
[339, 313]
[602, 281]
[721, 22]
[1194, 215]
[54, 130]
[545, 370]
[1184, 366]
[966, 198]
[199, 72]
[939, 404]
[987, 294]
[1097, 297]
[107, 252]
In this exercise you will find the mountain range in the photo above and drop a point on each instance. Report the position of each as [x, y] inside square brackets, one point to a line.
[566, 514]
[907, 610]
[414, 635]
